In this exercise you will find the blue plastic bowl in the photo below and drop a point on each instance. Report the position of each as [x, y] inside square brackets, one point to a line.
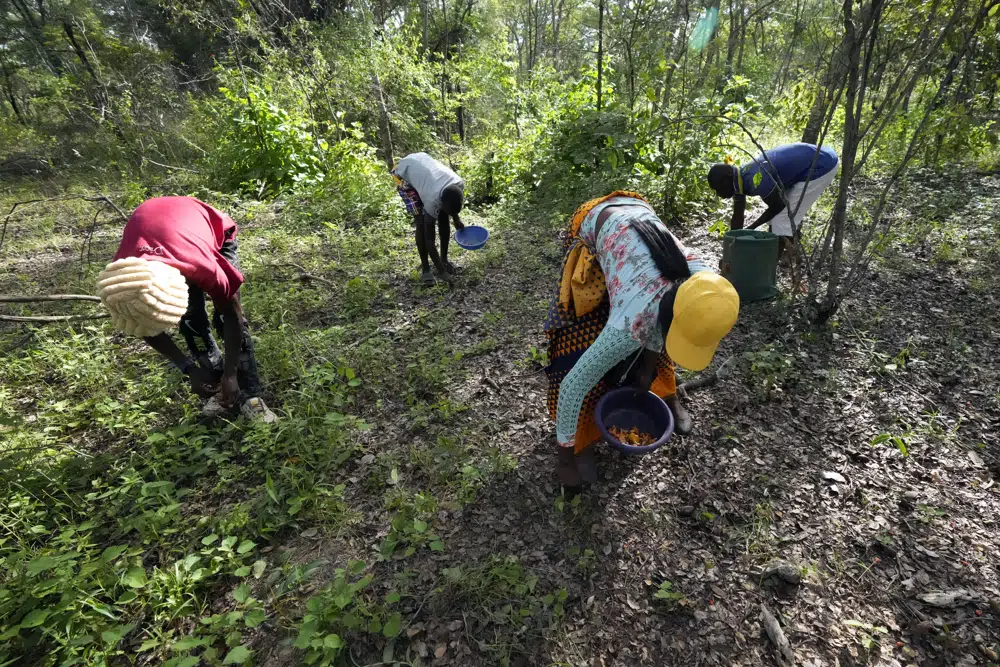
[472, 237]
[627, 408]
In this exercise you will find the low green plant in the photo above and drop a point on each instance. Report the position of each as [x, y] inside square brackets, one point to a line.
[718, 228]
[667, 593]
[342, 609]
[867, 633]
[896, 441]
[769, 369]
[504, 588]
[410, 527]
[585, 558]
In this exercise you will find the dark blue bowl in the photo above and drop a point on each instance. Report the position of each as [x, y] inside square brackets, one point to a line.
[472, 237]
[627, 408]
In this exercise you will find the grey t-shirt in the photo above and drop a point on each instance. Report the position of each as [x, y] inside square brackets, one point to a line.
[428, 177]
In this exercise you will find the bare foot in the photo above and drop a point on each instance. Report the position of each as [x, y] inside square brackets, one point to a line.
[586, 464]
[682, 419]
[569, 475]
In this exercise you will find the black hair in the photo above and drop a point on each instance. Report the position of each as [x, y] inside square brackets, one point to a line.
[452, 200]
[720, 177]
[670, 261]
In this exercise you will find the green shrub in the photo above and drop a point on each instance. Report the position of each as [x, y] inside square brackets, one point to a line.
[265, 149]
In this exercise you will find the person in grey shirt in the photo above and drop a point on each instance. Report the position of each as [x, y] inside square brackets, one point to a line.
[431, 191]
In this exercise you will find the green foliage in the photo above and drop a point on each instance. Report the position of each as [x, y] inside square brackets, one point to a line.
[111, 554]
[867, 633]
[667, 593]
[895, 440]
[265, 149]
[506, 587]
[768, 369]
[136, 532]
[410, 528]
[73, 599]
[343, 609]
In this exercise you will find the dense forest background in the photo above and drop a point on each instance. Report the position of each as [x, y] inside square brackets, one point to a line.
[404, 510]
[263, 98]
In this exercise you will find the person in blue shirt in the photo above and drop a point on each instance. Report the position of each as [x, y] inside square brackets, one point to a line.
[802, 170]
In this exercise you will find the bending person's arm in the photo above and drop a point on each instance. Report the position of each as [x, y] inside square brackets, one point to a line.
[610, 348]
[232, 334]
[775, 205]
[201, 382]
[739, 210]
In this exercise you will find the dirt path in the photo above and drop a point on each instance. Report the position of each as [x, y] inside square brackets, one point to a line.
[781, 469]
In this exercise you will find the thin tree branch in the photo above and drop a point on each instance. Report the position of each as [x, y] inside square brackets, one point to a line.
[91, 198]
[33, 298]
[52, 318]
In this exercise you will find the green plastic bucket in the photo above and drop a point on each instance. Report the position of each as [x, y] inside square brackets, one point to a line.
[750, 263]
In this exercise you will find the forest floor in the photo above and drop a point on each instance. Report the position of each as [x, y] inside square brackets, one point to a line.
[404, 510]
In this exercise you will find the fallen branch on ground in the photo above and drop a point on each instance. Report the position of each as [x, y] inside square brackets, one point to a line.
[168, 166]
[702, 381]
[777, 637]
[51, 318]
[32, 298]
[305, 275]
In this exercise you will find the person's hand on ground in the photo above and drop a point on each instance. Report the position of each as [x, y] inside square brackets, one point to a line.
[202, 382]
[230, 391]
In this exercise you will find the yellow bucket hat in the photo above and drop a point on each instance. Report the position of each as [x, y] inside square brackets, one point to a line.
[144, 297]
[705, 309]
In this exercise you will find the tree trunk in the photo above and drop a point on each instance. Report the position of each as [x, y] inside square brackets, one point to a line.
[734, 32]
[11, 97]
[80, 53]
[385, 126]
[853, 105]
[600, 50]
[834, 74]
[444, 72]
[557, 11]
[852, 52]
[424, 18]
[460, 115]
[35, 30]
[797, 29]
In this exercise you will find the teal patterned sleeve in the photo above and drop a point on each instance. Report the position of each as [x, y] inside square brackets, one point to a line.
[611, 347]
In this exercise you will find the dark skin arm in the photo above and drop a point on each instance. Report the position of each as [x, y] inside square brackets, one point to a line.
[774, 207]
[201, 382]
[739, 209]
[232, 334]
[646, 370]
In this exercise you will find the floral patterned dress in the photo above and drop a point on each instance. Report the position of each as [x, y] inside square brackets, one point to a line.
[635, 289]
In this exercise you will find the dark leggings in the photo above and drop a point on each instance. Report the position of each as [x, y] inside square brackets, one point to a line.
[197, 332]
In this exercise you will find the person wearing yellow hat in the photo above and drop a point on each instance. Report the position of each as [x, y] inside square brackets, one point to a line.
[632, 301]
[174, 252]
